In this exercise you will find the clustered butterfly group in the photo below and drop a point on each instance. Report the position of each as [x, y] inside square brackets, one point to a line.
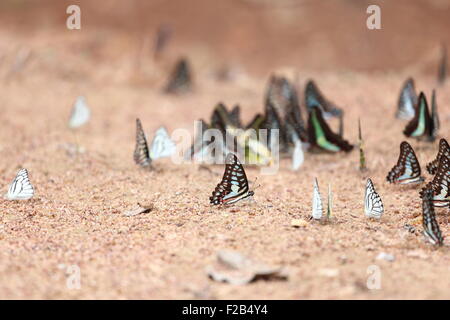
[282, 112]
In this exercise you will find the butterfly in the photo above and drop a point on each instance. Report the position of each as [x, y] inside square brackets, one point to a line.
[298, 156]
[20, 188]
[80, 113]
[434, 115]
[444, 151]
[430, 226]
[440, 184]
[314, 98]
[141, 152]
[373, 206]
[407, 101]
[321, 136]
[180, 80]
[317, 208]
[162, 146]
[422, 126]
[407, 170]
[234, 184]
[362, 158]
[330, 203]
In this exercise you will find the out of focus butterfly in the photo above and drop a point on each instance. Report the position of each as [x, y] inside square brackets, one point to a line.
[314, 98]
[430, 226]
[442, 71]
[423, 126]
[180, 79]
[373, 206]
[444, 151]
[234, 184]
[162, 146]
[80, 113]
[317, 207]
[298, 156]
[141, 151]
[321, 137]
[407, 101]
[440, 184]
[20, 188]
[407, 170]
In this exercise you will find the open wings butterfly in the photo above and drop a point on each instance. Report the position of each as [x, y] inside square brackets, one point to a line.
[20, 188]
[373, 206]
[444, 151]
[440, 184]
[430, 226]
[141, 152]
[234, 184]
[407, 170]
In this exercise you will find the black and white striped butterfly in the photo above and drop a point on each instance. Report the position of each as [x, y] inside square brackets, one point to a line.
[234, 184]
[440, 184]
[141, 152]
[20, 188]
[407, 170]
[444, 151]
[407, 101]
[373, 206]
[317, 207]
[430, 226]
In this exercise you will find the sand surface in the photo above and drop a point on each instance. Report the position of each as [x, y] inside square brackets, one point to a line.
[77, 214]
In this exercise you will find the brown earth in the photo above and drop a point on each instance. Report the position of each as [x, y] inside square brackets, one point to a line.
[76, 216]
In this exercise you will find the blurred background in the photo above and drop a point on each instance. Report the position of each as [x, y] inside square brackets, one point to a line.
[257, 36]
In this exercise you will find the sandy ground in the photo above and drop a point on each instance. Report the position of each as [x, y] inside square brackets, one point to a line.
[76, 216]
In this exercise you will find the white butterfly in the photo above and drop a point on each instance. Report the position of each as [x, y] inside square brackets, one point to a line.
[297, 156]
[80, 113]
[20, 188]
[373, 206]
[317, 209]
[162, 146]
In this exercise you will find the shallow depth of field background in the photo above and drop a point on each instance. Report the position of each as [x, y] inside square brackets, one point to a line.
[76, 216]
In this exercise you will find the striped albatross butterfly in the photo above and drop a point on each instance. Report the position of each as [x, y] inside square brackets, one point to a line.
[407, 170]
[20, 188]
[141, 152]
[234, 184]
[373, 206]
[440, 184]
[444, 151]
[430, 226]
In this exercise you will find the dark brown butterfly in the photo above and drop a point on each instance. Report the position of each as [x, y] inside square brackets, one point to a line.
[430, 226]
[407, 170]
[444, 151]
[440, 184]
[422, 126]
[320, 135]
[234, 184]
[180, 80]
[407, 101]
[141, 152]
[442, 71]
[314, 98]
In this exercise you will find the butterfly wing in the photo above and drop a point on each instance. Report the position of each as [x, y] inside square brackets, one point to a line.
[180, 80]
[373, 206]
[435, 124]
[162, 146]
[317, 208]
[141, 151]
[234, 184]
[321, 136]
[430, 226]
[420, 127]
[314, 98]
[80, 113]
[407, 101]
[20, 188]
[298, 156]
[440, 184]
[444, 151]
[407, 170]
